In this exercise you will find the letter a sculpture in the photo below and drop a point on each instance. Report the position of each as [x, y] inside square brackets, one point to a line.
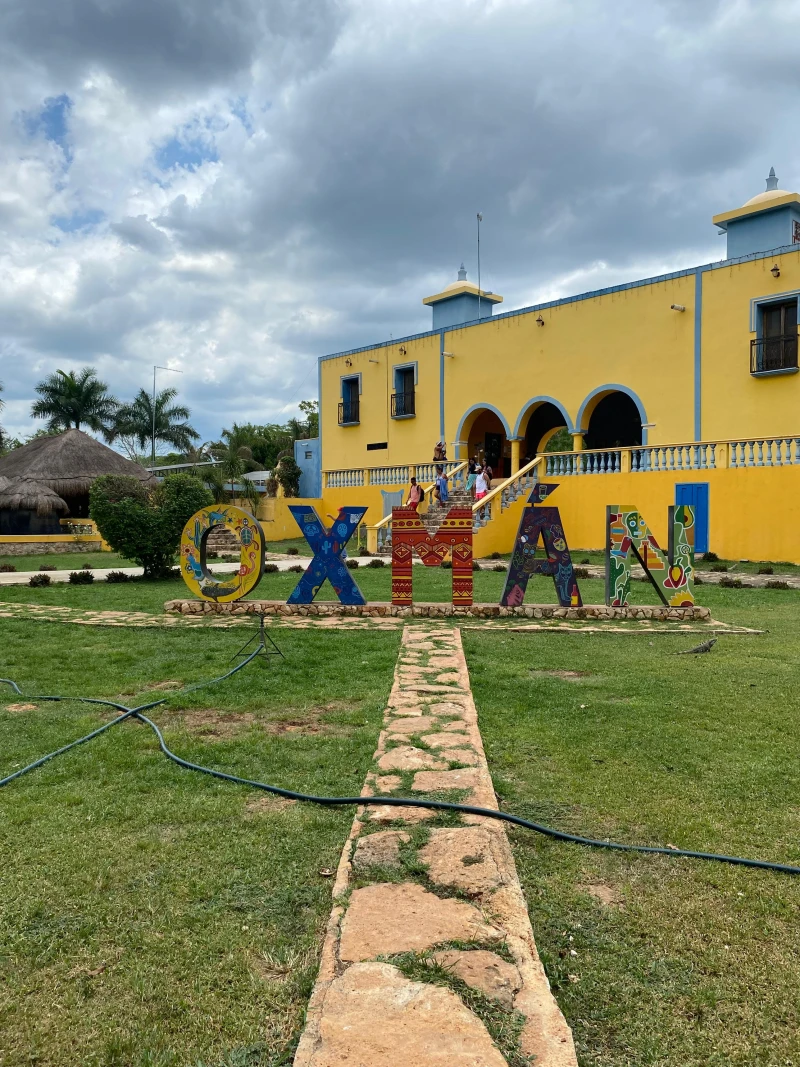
[328, 561]
[541, 522]
[454, 536]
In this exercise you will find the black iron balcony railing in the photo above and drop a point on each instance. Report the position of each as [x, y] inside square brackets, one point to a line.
[773, 353]
[348, 412]
[403, 404]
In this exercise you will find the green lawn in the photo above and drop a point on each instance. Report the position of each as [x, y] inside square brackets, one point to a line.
[597, 558]
[150, 916]
[690, 963]
[67, 561]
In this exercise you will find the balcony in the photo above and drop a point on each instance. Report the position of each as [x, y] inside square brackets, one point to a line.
[771, 355]
[403, 405]
[349, 412]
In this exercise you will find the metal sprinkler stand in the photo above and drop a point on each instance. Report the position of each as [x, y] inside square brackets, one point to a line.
[265, 645]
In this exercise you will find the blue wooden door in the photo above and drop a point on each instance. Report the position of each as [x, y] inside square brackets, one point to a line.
[696, 494]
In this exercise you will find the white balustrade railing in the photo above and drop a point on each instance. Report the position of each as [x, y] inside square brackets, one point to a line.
[506, 493]
[388, 475]
[765, 452]
[605, 461]
[344, 479]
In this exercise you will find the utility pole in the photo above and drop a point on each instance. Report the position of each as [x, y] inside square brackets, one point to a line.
[155, 368]
[480, 220]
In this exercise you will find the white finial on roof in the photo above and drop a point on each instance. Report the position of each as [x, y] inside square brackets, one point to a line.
[462, 273]
[772, 181]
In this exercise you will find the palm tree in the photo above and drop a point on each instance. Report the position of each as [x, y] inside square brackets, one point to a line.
[135, 426]
[69, 400]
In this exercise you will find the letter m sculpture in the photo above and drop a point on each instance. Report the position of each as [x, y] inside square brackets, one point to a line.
[453, 536]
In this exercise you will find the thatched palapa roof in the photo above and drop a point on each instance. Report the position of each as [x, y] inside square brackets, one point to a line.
[67, 463]
[26, 495]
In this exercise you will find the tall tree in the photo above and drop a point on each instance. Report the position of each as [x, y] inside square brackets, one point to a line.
[71, 400]
[310, 409]
[133, 424]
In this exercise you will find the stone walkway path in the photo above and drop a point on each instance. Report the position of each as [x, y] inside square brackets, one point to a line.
[429, 958]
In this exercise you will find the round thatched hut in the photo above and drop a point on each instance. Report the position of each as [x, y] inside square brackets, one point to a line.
[28, 507]
[68, 463]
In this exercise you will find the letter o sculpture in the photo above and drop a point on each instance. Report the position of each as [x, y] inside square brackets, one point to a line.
[247, 532]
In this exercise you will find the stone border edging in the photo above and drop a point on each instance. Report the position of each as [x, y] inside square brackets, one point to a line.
[364, 1010]
[435, 611]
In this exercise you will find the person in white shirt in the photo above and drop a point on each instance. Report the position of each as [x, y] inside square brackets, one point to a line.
[481, 485]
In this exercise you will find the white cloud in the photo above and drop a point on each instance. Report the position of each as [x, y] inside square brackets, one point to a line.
[242, 187]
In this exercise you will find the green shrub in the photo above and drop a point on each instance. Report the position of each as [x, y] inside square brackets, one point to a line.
[288, 474]
[7, 568]
[730, 583]
[115, 577]
[144, 523]
[766, 570]
[292, 551]
[297, 568]
[496, 555]
[710, 557]
[500, 569]
[720, 568]
[580, 572]
[777, 584]
[476, 566]
[270, 568]
[38, 580]
[47, 567]
[446, 564]
[377, 563]
[351, 564]
[80, 578]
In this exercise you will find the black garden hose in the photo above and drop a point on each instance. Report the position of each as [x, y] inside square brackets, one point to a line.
[398, 802]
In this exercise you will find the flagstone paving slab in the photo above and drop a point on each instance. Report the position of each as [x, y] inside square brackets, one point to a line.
[460, 885]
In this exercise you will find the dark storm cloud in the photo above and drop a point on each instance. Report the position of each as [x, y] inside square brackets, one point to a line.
[273, 181]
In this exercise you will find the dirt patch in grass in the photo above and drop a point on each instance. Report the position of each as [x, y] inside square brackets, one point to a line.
[18, 708]
[209, 722]
[267, 804]
[568, 676]
[606, 894]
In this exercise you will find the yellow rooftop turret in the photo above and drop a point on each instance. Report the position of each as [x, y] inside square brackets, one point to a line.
[768, 220]
[461, 301]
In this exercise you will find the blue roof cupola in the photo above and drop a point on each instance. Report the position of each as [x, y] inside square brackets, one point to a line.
[461, 302]
[768, 220]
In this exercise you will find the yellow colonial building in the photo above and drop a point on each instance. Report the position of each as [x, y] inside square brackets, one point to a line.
[678, 388]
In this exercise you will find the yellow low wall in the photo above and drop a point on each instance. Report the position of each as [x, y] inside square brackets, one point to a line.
[273, 512]
[754, 513]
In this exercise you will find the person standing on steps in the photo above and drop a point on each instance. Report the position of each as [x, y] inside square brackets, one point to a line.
[441, 485]
[415, 495]
[472, 474]
[440, 452]
[488, 474]
[481, 485]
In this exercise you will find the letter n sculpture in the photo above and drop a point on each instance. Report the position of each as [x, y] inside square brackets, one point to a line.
[672, 575]
[541, 522]
[328, 561]
[454, 536]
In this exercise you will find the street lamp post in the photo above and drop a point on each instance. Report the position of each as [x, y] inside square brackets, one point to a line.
[155, 368]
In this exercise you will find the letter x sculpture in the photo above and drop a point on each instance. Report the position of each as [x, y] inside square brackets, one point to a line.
[328, 562]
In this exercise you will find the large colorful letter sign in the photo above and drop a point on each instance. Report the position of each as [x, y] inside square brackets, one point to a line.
[454, 536]
[193, 553]
[672, 575]
[541, 522]
[328, 546]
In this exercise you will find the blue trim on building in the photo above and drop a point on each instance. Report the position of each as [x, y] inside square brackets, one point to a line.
[441, 385]
[758, 302]
[698, 354]
[723, 263]
[542, 400]
[484, 407]
[611, 388]
[346, 378]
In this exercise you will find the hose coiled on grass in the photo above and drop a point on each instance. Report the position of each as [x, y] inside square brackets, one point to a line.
[398, 802]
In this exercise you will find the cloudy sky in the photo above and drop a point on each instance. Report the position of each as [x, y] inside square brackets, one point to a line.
[234, 187]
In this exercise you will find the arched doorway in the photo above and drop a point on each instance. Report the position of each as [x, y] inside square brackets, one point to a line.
[614, 420]
[538, 421]
[487, 434]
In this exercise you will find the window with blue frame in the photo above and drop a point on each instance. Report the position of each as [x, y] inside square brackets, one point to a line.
[404, 395]
[775, 347]
[350, 406]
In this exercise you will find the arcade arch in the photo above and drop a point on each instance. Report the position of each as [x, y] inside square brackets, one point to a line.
[538, 421]
[612, 417]
[486, 434]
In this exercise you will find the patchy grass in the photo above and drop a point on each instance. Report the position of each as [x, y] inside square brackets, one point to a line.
[68, 561]
[657, 961]
[151, 917]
